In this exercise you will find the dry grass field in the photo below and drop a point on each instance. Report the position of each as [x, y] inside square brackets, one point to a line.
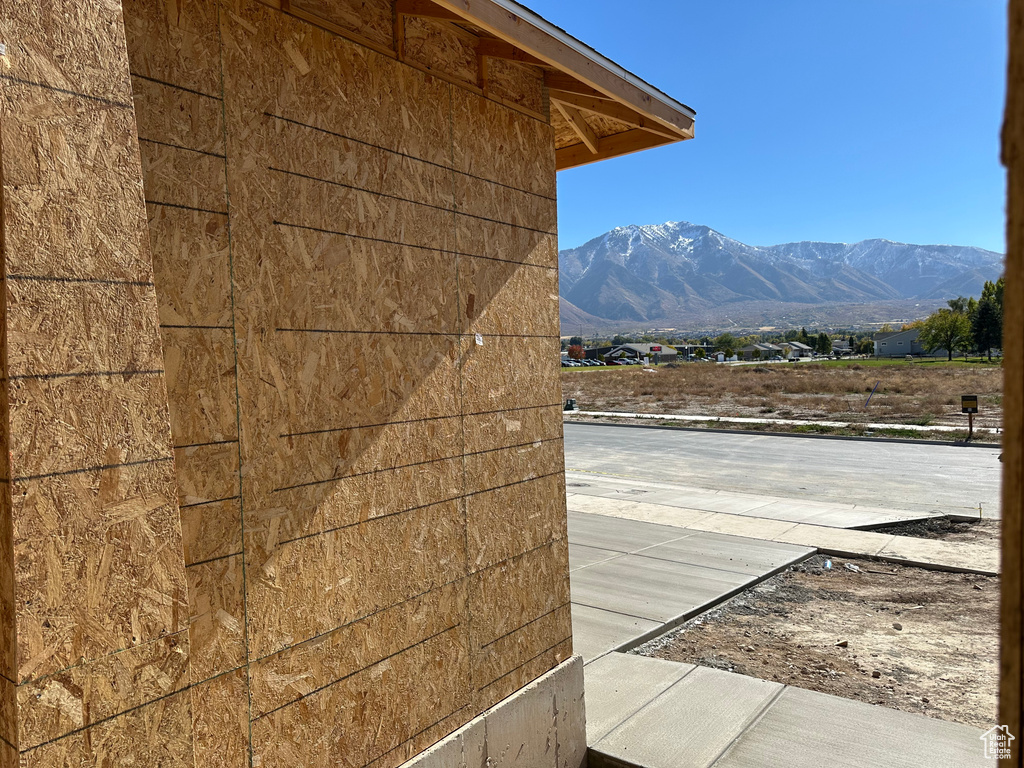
[919, 393]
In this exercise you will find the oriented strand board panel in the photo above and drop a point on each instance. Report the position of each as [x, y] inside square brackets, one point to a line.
[341, 276]
[96, 650]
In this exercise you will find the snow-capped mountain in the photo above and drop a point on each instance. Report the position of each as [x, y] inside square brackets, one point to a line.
[679, 270]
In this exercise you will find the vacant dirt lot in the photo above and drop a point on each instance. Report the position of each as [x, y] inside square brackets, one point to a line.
[912, 393]
[906, 638]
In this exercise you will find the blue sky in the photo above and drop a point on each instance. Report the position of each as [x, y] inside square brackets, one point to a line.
[816, 119]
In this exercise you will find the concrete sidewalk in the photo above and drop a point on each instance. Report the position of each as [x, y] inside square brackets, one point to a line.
[652, 713]
[794, 510]
[926, 553]
[632, 581]
[781, 422]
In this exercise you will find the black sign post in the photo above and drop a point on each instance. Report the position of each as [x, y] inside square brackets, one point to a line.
[969, 405]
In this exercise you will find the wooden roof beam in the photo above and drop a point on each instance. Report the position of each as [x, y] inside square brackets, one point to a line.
[425, 9]
[608, 147]
[579, 125]
[499, 49]
[556, 81]
[615, 111]
[509, 21]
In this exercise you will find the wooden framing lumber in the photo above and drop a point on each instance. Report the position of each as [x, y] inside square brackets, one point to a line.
[562, 55]
[425, 9]
[499, 49]
[612, 146]
[1011, 671]
[615, 111]
[558, 81]
[579, 125]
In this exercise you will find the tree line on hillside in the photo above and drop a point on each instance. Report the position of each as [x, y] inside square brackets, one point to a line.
[967, 324]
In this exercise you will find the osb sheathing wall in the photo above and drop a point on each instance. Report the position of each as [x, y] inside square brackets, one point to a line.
[95, 651]
[353, 266]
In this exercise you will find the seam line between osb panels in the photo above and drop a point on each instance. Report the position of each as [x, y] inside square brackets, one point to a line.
[335, 529]
[342, 679]
[178, 206]
[80, 375]
[99, 468]
[531, 621]
[406, 245]
[410, 157]
[212, 501]
[198, 327]
[358, 620]
[238, 404]
[97, 659]
[417, 421]
[209, 560]
[516, 668]
[440, 334]
[66, 92]
[417, 735]
[9, 640]
[389, 196]
[176, 87]
[130, 710]
[321, 635]
[339, 478]
[95, 280]
[183, 149]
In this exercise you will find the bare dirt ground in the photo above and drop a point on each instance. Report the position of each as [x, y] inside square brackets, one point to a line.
[907, 638]
[981, 532]
[907, 394]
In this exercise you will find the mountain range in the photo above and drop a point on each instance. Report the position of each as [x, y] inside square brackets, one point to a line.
[682, 273]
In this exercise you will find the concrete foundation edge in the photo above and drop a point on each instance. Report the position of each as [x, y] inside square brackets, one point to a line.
[542, 725]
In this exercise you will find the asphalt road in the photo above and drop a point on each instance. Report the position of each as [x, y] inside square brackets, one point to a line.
[948, 479]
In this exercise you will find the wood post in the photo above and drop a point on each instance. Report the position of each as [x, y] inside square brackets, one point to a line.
[1012, 652]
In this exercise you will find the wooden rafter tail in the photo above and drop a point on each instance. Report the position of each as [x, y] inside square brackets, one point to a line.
[619, 112]
[579, 125]
[425, 9]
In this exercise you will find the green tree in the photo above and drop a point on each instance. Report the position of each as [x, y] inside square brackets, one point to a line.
[959, 305]
[805, 337]
[946, 329]
[823, 344]
[576, 341]
[987, 323]
[619, 340]
[792, 335]
[700, 353]
[866, 346]
[726, 342]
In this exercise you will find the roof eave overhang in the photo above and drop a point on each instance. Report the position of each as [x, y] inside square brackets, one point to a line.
[666, 120]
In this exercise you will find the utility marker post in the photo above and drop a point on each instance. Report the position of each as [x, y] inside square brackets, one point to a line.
[969, 405]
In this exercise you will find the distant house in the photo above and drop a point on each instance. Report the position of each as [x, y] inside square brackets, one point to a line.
[597, 353]
[795, 349]
[759, 351]
[901, 344]
[657, 353]
[841, 347]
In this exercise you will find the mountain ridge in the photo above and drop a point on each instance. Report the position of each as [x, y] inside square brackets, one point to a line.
[682, 272]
